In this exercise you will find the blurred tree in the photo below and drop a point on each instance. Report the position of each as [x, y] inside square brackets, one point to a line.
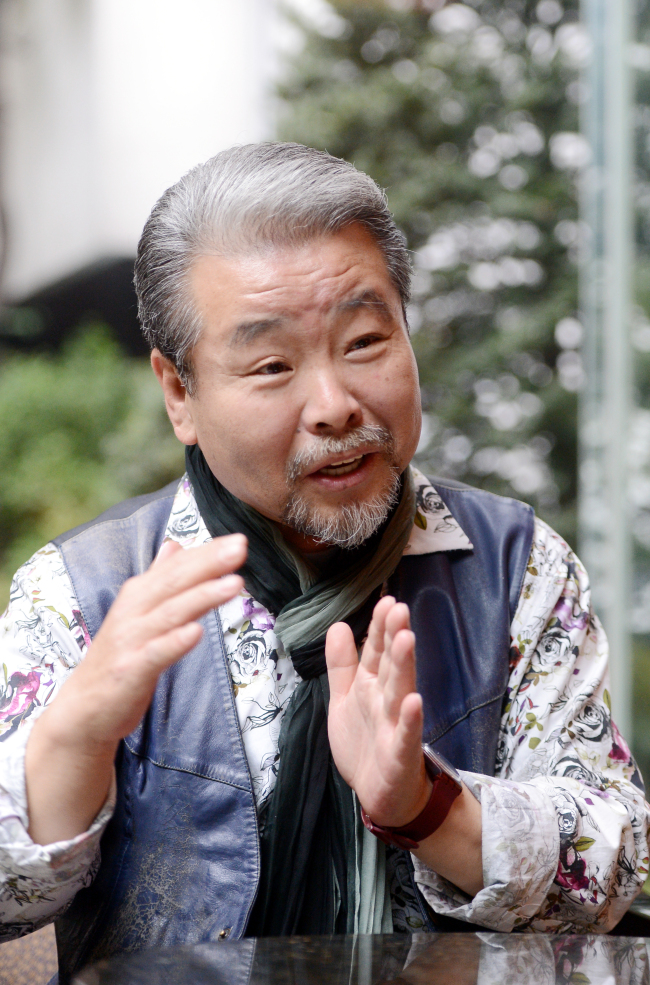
[467, 115]
[80, 431]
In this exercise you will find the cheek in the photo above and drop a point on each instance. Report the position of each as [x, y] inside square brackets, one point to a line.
[246, 438]
[396, 392]
[401, 408]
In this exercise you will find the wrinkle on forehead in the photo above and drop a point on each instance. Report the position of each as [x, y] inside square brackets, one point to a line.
[296, 283]
[262, 292]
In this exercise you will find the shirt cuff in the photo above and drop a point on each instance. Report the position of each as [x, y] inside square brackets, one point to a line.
[521, 847]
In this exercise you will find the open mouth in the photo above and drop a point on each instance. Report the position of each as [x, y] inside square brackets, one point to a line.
[342, 468]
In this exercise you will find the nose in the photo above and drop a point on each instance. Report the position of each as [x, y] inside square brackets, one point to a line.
[329, 405]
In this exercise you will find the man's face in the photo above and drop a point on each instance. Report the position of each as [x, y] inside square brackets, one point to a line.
[300, 345]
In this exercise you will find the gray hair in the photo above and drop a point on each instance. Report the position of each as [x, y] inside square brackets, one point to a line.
[245, 199]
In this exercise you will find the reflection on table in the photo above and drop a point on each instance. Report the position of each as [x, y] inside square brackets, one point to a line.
[400, 959]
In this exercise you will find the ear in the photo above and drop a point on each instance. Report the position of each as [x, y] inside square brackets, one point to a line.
[177, 401]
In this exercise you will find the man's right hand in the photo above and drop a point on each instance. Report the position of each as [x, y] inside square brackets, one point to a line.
[152, 624]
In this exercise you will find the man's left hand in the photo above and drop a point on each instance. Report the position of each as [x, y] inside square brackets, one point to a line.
[375, 732]
[375, 716]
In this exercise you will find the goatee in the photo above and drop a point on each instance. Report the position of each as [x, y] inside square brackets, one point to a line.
[353, 523]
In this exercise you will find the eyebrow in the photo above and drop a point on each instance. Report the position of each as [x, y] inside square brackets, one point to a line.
[248, 331]
[369, 299]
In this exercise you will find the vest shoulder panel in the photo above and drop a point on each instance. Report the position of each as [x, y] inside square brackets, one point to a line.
[462, 604]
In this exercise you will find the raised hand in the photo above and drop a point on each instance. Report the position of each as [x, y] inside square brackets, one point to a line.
[375, 732]
[375, 716]
[151, 625]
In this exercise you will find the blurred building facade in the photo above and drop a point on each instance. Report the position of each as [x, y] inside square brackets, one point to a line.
[104, 103]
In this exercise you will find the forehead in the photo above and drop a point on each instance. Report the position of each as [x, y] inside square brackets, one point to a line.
[294, 280]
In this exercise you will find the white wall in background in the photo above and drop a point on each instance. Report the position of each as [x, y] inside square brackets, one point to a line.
[107, 102]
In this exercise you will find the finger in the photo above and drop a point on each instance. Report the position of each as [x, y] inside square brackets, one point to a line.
[168, 548]
[186, 567]
[407, 740]
[185, 607]
[374, 645]
[183, 570]
[166, 649]
[342, 659]
[397, 619]
[400, 680]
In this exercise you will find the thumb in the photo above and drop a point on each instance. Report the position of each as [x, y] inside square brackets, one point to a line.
[342, 659]
[168, 548]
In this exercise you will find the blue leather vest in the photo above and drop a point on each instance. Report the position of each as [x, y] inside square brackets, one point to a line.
[180, 857]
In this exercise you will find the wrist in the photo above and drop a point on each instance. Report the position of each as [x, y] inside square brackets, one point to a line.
[65, 731]
[446, 787]
[416, 809]
[66, 782]
[403, 807]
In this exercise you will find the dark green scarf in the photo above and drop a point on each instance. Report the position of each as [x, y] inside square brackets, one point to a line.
[315, 869]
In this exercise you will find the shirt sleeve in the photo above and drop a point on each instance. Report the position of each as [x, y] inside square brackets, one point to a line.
[42, 639]
[565, 822]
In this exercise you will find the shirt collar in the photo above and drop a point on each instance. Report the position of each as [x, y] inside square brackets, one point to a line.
[434, 529]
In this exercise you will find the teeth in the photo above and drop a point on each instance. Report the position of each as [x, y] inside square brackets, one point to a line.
[342, 468]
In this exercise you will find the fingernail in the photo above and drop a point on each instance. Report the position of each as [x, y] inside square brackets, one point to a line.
[233, 546]
[230, 583]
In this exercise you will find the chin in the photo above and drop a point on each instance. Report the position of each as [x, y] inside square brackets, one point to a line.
[350, 521]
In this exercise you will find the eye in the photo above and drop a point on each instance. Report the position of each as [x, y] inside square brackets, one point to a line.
[272, 369]
[363, 343]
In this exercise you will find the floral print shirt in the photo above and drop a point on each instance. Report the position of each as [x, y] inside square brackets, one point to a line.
[565, 824]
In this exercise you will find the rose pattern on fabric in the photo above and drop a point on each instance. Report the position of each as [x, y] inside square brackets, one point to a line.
[42, 637]
[434, 527]
[564, 825]
[407, 915]
[258, 616]
[430, 505]
[263, 679]
[249, 658]
[17, 695]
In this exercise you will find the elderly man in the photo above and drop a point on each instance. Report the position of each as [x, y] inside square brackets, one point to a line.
[186, 757]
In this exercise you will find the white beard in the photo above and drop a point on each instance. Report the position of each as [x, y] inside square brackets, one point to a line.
[352, 524]
[347, 526]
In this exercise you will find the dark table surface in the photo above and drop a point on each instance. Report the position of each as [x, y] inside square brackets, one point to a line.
[421, 959]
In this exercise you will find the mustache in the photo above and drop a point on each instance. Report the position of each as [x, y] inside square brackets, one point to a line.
[366, 436]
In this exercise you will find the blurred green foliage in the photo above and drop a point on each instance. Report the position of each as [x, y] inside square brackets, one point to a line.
[81, 430]
[467, 116]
